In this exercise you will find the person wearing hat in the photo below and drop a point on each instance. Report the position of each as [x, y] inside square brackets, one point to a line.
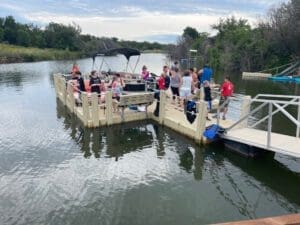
[145, 73]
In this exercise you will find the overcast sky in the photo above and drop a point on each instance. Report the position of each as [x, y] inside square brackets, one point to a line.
[150, 20]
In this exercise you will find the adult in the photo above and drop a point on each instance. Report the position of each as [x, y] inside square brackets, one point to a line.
[175, 83]
[167, 77]
[80, 83]
[206, 74]
[95, 82]
[226, 92]
[175, 66]
[185, 87]
[145, 73]
[207, 97]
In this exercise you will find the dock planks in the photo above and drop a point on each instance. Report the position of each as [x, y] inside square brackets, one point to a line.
[280, 143]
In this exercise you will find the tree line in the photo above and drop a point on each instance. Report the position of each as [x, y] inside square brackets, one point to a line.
[65, 37]
[238, 46]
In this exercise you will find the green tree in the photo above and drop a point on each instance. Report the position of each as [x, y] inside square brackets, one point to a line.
[190, 32]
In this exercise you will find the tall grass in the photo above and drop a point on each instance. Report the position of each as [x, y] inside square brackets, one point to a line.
[13, 53]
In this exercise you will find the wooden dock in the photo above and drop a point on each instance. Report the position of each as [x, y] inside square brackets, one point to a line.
[95, 111]
[258, 138]
[255, 76]
[94, 114]
[293, 219]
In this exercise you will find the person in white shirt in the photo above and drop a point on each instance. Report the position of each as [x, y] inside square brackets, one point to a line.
[185, 87]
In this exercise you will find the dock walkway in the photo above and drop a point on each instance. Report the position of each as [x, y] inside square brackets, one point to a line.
[280, 143]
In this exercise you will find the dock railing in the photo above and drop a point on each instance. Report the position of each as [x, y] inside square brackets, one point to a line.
[275, 104]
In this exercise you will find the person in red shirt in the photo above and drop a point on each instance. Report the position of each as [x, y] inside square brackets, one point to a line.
[226, 92]
[161, 82]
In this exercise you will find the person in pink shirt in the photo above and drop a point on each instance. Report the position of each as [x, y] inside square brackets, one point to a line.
[145, 73]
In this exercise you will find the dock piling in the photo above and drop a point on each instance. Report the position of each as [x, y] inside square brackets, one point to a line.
[245, 110]
[108, 106]
[95, 109]
[162, 106]
[201, 121]
[85, 108]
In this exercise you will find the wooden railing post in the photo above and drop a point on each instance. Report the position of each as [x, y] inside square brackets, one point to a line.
[95, 110]
[162, 106]
[245, 110]
[85, 108]
[70, 97]
[63, 90]
[200, 120]
[201, 95]
[109, 108]
[55, 77]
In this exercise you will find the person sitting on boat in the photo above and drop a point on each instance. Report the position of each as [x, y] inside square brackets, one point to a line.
[145, 73]
[75, 68]
[95, 82]
[226, 92]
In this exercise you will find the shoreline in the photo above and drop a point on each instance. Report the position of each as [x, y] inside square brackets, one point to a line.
[17, 54]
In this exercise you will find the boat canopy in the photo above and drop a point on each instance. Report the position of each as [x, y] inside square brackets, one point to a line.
[127, 52]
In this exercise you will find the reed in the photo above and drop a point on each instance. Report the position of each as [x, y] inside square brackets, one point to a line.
[15, 54]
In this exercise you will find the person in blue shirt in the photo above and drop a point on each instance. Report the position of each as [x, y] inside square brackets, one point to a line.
[206, 74]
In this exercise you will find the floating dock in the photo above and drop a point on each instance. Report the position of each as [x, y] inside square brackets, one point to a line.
[255, 76]
[95, 111]
[293, 219]
[94, 114]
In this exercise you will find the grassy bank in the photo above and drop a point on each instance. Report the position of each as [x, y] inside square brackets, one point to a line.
[14, 54]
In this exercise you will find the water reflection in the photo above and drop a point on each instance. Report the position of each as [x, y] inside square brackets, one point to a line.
[118, 140]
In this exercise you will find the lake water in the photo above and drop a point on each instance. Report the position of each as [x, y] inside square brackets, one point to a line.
[53, 171]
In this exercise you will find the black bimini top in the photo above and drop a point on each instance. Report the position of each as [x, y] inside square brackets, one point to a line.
[127, 52]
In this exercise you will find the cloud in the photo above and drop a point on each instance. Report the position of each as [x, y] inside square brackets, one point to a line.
[138, 20]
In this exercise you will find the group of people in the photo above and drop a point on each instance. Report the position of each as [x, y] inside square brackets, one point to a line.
[184, 84]
[96, 84]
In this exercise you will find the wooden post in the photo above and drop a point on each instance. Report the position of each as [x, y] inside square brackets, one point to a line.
[245, 110]
[70, 96]
[162, 106]
[95, 110]
[108, 106]
[63, 90]
[55, 76]
[85, 108]
[201, 121]
[201, 93]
